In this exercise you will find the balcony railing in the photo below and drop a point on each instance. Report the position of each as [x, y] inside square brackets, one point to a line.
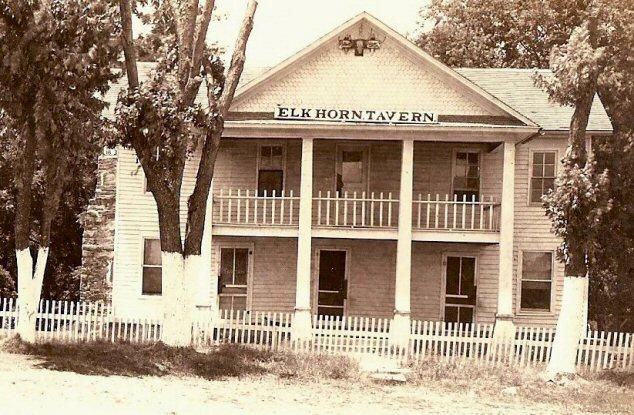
[378, 210]
[246, 207]
[355, 210]
[443, 213]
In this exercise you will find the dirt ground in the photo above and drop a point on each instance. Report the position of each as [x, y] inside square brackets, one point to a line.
[27, 389]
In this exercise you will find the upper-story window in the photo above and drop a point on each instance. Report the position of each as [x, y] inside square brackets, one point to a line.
[537, 276]
[466, 175]
[542, 174]
[271, 170]
[152, 273]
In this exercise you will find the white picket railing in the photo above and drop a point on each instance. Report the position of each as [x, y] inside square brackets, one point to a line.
[63, 321]
[246, 207]
[445, 213]
[371, 210]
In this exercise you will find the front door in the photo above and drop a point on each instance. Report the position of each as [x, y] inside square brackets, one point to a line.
[233, 278]
[460, 289]
[332, 284]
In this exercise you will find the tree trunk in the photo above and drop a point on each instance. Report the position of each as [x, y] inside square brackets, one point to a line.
[177, 314]
[30, 290]
[570, 327]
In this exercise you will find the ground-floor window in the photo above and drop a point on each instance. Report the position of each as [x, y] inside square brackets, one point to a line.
[460, 289]
[152, 283]
[537, 275]
[233, 278]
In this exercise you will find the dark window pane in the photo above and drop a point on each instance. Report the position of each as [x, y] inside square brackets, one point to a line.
[536, 190]
[330, 299]
[276, 151]
[468, 274]
[473, 158]
[152, 284]
[538, 170]
[270, 181]
[241, 266]
[225, 302]
[239, 303]
[451, 314]
[549, 184]
[537, 265]
[152, 252]
[549, 170]
[473, 184]
[465, 315]
[549, 157]
[328, 311]
[460, 156]
[535, 295]
[226, 266]
[538, 158]
[265, 151]
[453, 275]
[473, 171]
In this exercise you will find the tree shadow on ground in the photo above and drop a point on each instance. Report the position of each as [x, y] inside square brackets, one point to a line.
[157, 359]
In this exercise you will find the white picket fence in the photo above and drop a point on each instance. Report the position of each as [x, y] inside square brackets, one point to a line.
[357, 210]
[246, 207]
[62, 321]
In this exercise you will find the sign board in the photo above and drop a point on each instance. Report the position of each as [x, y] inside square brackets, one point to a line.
[356, 115]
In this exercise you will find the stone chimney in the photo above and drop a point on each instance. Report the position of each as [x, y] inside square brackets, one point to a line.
[96, 271]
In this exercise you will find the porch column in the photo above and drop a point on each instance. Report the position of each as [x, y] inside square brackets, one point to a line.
[400, 329]
[207, 284]
[504, 318]
[301, 328]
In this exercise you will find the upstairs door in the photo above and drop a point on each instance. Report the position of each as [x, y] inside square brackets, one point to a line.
[460, 289]
[351, 179]
[352, 170]
[332, 284]
[233, 278]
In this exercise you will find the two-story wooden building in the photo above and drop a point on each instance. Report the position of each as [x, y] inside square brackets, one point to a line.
[360, 177]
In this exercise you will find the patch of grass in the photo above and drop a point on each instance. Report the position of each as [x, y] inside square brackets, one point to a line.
[157, 359]
[606, 391]
[125, 359]
[314, 367]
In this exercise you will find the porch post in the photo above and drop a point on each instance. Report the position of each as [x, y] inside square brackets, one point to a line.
[301, 328]
[207, 287]
[504, 318]
[400, 329]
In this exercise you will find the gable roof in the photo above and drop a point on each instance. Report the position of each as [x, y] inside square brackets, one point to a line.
[517, 88]
[413, 52]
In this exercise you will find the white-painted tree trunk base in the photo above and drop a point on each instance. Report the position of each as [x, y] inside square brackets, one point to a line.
[29, 291]
[400, 330]
[177, 301]
[570, 327]
[301, 328]
[504, 328]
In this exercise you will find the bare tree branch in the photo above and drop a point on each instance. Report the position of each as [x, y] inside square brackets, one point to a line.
[127, 42]
[193, 82]
[237, 60]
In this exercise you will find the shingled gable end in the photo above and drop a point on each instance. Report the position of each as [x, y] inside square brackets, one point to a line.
[431, 221]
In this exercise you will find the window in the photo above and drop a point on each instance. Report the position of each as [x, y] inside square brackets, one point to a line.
[542, 175]
[233, 278]
[352, 170]
[271, 170]
[152, 281]
[466, 175]
[537, 271]
[460, 289]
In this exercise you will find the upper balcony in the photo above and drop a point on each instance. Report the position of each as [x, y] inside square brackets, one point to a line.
[355, 190]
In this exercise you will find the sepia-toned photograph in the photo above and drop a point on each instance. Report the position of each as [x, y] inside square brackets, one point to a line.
[316, 207]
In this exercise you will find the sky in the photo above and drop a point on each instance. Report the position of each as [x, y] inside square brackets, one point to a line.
[283, 27]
